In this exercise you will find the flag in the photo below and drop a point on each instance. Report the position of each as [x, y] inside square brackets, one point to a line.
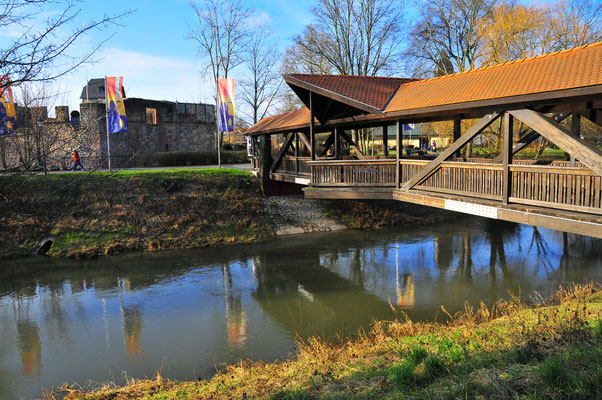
[116, 121]
[225, 89]
[8, 114]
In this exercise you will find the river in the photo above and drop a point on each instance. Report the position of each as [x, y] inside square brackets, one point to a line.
[187, 312]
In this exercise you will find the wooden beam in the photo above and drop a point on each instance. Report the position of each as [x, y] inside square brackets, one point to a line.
[457, 145]
[282, 152]
[399, 132]
[594, 115]
[561, 137]
[312, 129]
[305, 141]
[507, 158]
[354, 146]
[457, 133]
[296, 153]
[337, 143]
[529, 138]
[385, 140]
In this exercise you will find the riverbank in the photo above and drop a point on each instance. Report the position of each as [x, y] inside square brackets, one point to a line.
[88, 215]
[510, 350]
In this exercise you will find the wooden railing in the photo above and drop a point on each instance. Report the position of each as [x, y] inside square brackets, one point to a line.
[297, 166]
[568, 188]
[353, 173]
[462, 178]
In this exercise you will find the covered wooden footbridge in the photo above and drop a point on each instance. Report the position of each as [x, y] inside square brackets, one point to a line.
[540, 92]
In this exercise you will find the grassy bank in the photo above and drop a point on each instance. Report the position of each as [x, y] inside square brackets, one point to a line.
[510, 350]
[93, 214]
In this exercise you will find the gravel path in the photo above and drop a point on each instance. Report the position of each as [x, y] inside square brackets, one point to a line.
[295, 215]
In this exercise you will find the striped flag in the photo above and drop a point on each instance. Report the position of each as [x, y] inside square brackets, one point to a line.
[8, 114]
[116, 121]
[225, 89]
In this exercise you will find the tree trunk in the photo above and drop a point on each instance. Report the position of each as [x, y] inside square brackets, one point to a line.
[265, 161]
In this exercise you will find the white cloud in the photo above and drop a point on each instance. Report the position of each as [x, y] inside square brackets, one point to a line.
[146, 76]
[260, 19]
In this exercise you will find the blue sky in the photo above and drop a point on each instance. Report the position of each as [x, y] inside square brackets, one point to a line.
[151, 52]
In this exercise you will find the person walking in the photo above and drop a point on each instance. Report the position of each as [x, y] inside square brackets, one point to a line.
[76, 161]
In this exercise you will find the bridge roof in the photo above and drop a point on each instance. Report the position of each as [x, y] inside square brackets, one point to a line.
[292, 119]
[568, 69]
[374, 91]
[552, 78]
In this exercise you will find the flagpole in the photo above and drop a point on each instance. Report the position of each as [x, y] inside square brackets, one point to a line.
[217, 116]
[107, 124]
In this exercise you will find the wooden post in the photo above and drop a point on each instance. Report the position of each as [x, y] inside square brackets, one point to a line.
[385, 140]
[337, 143]
[312, 133]
[265, 156]
[296, 153]
[576, 129]
[506, 176]
[457, 133]
[398, 132]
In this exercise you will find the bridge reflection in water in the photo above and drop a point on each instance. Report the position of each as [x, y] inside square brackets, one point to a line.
[65, 321]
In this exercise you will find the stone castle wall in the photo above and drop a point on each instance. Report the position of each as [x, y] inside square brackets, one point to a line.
[177, 127]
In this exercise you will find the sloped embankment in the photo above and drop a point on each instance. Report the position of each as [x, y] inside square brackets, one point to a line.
[93, 214]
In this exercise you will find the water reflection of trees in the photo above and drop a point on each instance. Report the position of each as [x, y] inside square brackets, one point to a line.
[305, 297]
[236, 318]
[30, 346]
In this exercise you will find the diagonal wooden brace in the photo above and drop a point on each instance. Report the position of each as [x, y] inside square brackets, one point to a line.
[457, 145]
[328, 144]
[282, 152]
[563, 138]
[305, 141]
[354, 146]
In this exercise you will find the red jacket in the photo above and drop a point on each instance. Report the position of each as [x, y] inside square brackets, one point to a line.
[75, 156]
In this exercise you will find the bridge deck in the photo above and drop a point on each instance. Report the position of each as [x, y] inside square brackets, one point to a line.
[555, 196]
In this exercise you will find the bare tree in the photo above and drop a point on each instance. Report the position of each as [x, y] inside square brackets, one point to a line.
[445, 38]
[577, 22]
[221, 34]
[305, 56]
[353, 37]
[40, 51]
[260, 89]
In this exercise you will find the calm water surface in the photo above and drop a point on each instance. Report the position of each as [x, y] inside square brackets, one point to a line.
[186, 312]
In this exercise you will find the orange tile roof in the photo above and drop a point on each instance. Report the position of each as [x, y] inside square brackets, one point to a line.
[374, 91]
[567, 69]
[281, 121]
